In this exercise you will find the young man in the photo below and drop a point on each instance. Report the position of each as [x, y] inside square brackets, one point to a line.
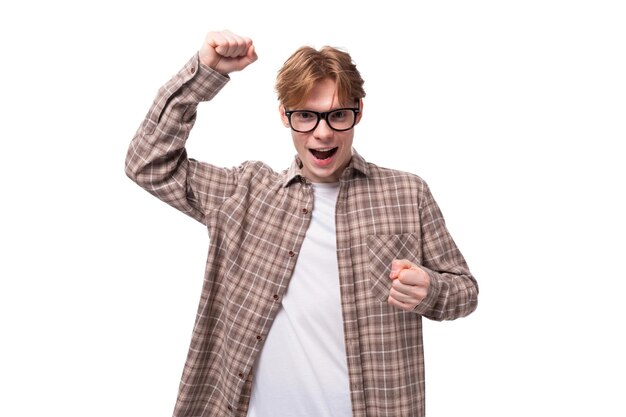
[317, 277]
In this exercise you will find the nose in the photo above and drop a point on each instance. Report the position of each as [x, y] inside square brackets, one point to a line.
[322, 130]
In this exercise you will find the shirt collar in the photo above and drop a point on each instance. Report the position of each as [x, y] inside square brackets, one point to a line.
[294, 173]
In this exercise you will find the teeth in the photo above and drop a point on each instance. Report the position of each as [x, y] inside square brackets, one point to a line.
[323, 149]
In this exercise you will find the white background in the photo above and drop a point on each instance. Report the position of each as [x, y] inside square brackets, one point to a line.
[512, 111]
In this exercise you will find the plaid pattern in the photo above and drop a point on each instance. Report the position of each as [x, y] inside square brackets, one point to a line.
[257, 220]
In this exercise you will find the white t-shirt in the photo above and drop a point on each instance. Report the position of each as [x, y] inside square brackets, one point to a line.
[302, 369]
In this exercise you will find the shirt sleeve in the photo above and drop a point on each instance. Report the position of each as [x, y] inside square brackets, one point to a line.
[156, 158]
[453, 291]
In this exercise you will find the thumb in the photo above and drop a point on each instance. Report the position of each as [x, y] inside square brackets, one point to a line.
[251, 55]
[398, 265]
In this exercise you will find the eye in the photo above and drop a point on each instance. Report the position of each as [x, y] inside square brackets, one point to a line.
[304, 115]
[339, 115]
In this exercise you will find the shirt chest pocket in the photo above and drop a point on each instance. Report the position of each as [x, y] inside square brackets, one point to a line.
[382, 250]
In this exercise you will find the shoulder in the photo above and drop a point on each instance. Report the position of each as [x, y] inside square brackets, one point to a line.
[396, 185]
[257, 169]
[394, 178]
[258, 173]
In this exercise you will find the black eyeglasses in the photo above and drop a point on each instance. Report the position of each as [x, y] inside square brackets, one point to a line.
[305, 121]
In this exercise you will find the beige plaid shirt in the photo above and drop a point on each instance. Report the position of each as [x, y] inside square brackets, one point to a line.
[257, 219]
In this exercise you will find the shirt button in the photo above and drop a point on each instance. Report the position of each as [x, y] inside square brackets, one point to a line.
[292, 253]
[240, 375]
[192, 70]
[305, 211]
[259, 338]
[276, 297]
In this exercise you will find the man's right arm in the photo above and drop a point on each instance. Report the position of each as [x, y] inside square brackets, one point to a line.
[157, 159]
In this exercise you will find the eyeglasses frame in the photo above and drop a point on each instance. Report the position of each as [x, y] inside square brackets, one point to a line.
[323, 116]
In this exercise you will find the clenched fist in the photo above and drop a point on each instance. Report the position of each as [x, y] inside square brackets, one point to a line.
[410, 285]
[226, 52]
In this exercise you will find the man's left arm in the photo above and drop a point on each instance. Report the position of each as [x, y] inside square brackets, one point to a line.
[442, 287]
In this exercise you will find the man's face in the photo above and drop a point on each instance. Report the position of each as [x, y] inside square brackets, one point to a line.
[324, 152]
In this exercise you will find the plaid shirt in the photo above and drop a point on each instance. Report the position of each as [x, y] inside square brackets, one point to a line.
[257, 219]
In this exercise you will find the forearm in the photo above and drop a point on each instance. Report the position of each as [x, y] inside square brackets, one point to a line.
[156, 158]
[450, 296]
[453, 290]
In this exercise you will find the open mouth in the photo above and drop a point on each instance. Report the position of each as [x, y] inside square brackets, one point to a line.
[323, 153]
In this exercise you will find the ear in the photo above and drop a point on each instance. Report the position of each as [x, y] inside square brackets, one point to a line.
[358, 116]
[283, 116]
